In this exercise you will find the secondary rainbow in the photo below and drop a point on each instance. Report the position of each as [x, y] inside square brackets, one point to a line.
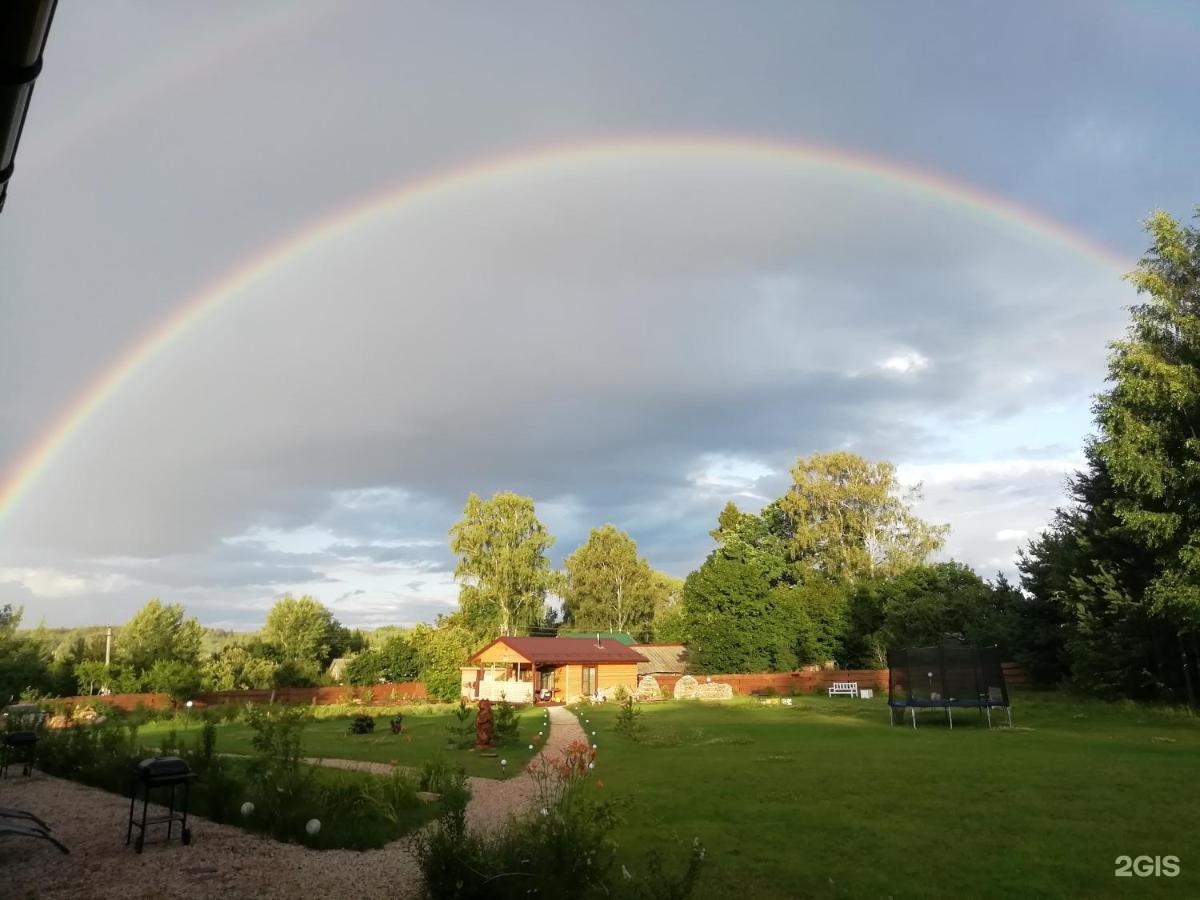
[950, 192]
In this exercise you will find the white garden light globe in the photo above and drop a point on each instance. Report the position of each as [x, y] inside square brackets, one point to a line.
[247, 808]
[313, 826]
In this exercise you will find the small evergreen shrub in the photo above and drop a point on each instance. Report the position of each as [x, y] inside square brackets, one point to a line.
[628, 718]
[505, 726]
[362, 725]
[462, 729]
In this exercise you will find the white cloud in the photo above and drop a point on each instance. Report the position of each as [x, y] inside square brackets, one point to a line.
[904, 363]
[730, 475]
[55, 584]
[1006, 535]
[931, 474]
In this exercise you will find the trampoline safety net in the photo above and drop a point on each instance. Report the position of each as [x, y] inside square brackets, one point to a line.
[953, 674]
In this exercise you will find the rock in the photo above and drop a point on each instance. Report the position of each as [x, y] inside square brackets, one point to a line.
[685, 688]
[89, 716]
[713, 690]
[647, 690]
[428, 796]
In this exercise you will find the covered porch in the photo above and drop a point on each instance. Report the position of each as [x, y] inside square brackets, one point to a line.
[516, 682]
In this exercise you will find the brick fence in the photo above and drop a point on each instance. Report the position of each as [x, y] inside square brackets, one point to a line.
[819, 680]
[375, 695]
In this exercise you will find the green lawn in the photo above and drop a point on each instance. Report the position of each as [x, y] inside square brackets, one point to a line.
[824, 799]
[425, 736]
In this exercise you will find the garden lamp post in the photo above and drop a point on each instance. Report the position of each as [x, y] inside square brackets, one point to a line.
[24, 27]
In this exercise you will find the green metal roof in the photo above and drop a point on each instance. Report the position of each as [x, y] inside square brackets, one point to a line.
[621, 636]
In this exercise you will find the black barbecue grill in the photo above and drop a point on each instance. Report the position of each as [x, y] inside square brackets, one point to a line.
[18, 746]
[161, 772]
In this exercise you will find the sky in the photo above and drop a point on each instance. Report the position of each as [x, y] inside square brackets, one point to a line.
[628, 259]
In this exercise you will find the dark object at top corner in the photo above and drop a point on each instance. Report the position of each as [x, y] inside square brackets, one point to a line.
[24, 27]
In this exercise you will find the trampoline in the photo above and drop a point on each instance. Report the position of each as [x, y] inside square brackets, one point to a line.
[950, 676]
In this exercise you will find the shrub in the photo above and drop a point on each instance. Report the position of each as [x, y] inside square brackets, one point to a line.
[356, 810]
[362, 725]
[564, 849]
[462, 729]
[628, 718]
[505, 726]
[437, 774]
[394, 794]
[277, 735]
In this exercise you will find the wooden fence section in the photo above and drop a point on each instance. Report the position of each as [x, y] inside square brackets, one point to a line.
[126, 702]
[1015, 676]
[400, 692]
[819, 680]
[376, 695]
[789, 682]
[373, 695]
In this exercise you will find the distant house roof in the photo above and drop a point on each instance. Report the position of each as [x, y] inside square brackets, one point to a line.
[337, 668]
[560, 650]
[662, 659]
[623, 637]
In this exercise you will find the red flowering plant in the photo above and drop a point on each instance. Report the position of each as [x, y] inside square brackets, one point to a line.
[555, 777]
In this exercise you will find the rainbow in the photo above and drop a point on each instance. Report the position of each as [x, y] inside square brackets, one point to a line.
[212, 298]
[158, 79]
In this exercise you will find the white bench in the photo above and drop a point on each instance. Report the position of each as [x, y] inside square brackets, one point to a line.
[843, 689]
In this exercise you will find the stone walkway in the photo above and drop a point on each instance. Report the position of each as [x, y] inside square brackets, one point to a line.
[222, 860]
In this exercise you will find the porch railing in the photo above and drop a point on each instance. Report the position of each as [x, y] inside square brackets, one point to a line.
[512, 691]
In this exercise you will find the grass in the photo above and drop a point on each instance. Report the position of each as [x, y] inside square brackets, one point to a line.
[348, 806]
[824, 799]
[424, 738]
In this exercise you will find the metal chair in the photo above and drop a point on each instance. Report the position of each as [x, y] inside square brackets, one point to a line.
[31, 831]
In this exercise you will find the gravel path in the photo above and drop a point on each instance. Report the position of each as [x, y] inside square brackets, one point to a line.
[492, 800]
[222, 861]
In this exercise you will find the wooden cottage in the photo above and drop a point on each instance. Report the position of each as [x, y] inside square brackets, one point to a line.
[550, 669]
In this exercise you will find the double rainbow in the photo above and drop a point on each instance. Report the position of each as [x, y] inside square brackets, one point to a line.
[224, 290]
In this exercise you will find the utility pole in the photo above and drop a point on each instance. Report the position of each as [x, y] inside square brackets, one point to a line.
[107, 646]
